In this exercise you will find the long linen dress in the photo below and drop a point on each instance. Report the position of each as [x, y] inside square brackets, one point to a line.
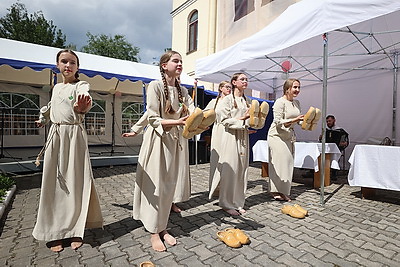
[182, 193]
[68, 198]
[162, 175]
[281, 145]
[232, 153]
[215, 149]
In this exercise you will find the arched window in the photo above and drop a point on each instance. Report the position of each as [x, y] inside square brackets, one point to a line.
[193, 31]
[131, 113]
[18, 113]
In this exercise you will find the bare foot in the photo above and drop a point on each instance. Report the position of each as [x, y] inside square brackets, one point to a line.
[175, 208]
[156, 243]
[278, 196]
[56, 246]
[232, 212]
[168, 238]
[285, 197]
[242, 211]
[76, 242]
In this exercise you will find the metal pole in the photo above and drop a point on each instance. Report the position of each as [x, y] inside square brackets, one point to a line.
[195, 137]
[324, 104]
[395, 71]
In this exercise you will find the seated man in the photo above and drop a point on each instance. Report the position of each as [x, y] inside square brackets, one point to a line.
[337, 135]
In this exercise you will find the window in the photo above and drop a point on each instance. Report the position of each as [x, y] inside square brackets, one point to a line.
[242, 8]
[131, 113]
[264, 2]
[95, 119]
[193, 31]
[19, 112]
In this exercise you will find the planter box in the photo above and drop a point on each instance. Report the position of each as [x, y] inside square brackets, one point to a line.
[7, 198]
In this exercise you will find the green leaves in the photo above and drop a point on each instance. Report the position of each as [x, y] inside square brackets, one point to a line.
[32, 28]
[115, 47]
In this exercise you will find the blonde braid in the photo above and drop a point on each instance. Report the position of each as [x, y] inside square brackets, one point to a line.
[180, 97]
[168, 105]
[247, 103]
[234, 99]
[216, 102]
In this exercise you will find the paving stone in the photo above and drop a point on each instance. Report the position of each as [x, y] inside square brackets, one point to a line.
[317, 252]
[346, 231]
[312, 260]
[379, 249]
[363, 261]
[289, 260]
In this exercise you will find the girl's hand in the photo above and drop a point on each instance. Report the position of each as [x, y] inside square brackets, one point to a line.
[299, 118]
[182, 121]
[82, 105]
[39, 124]
[245, 116]
[132, 134]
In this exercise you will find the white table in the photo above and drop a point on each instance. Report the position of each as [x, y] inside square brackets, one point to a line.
[306, 156]
[374, 166]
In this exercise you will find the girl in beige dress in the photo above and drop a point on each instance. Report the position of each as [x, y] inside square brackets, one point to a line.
[224, 89]
[68, 197]
[164, 154]
[281, 138]
[179, 196]
[233, 162]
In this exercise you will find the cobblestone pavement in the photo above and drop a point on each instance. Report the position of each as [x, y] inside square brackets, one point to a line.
[346, 231]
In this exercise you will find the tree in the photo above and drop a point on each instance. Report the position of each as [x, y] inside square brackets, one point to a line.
[32, 28]
[115, 47]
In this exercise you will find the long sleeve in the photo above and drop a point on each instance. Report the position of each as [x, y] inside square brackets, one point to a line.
[140, 124]
[44, 114]
[229, 115]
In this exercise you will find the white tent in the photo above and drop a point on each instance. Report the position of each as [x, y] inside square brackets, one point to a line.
[28, 68]
[102, 72]
[363, 45]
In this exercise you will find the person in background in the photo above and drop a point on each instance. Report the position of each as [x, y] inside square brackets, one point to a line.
[233, 114]
[281, 138]
[224, 89]
[337, 135]
[68, 198]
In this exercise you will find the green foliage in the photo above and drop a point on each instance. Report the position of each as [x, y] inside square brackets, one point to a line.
[32, 28]
[6, 183]
[115, 47]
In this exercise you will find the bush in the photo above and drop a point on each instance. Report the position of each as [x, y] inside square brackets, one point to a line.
[6, 183]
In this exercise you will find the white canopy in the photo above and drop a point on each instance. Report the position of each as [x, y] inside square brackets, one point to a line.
[296, 36]
[32, 64]
[363, 46]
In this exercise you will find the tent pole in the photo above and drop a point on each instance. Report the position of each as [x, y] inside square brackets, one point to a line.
[195, 137]
[324, 104]
[396, 59]
[144, 97]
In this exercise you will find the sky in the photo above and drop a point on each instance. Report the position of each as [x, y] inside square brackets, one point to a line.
[145, 24]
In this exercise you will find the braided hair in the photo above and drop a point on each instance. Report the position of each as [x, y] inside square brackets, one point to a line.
[168, 106]
[221, 84]
[235, 76]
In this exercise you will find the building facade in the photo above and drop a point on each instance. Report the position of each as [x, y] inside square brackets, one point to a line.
[203, 27]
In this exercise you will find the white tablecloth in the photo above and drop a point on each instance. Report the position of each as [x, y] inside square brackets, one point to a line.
[305, 156]
[375, 167]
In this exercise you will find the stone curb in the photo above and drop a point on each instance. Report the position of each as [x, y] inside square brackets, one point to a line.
[9, 195]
